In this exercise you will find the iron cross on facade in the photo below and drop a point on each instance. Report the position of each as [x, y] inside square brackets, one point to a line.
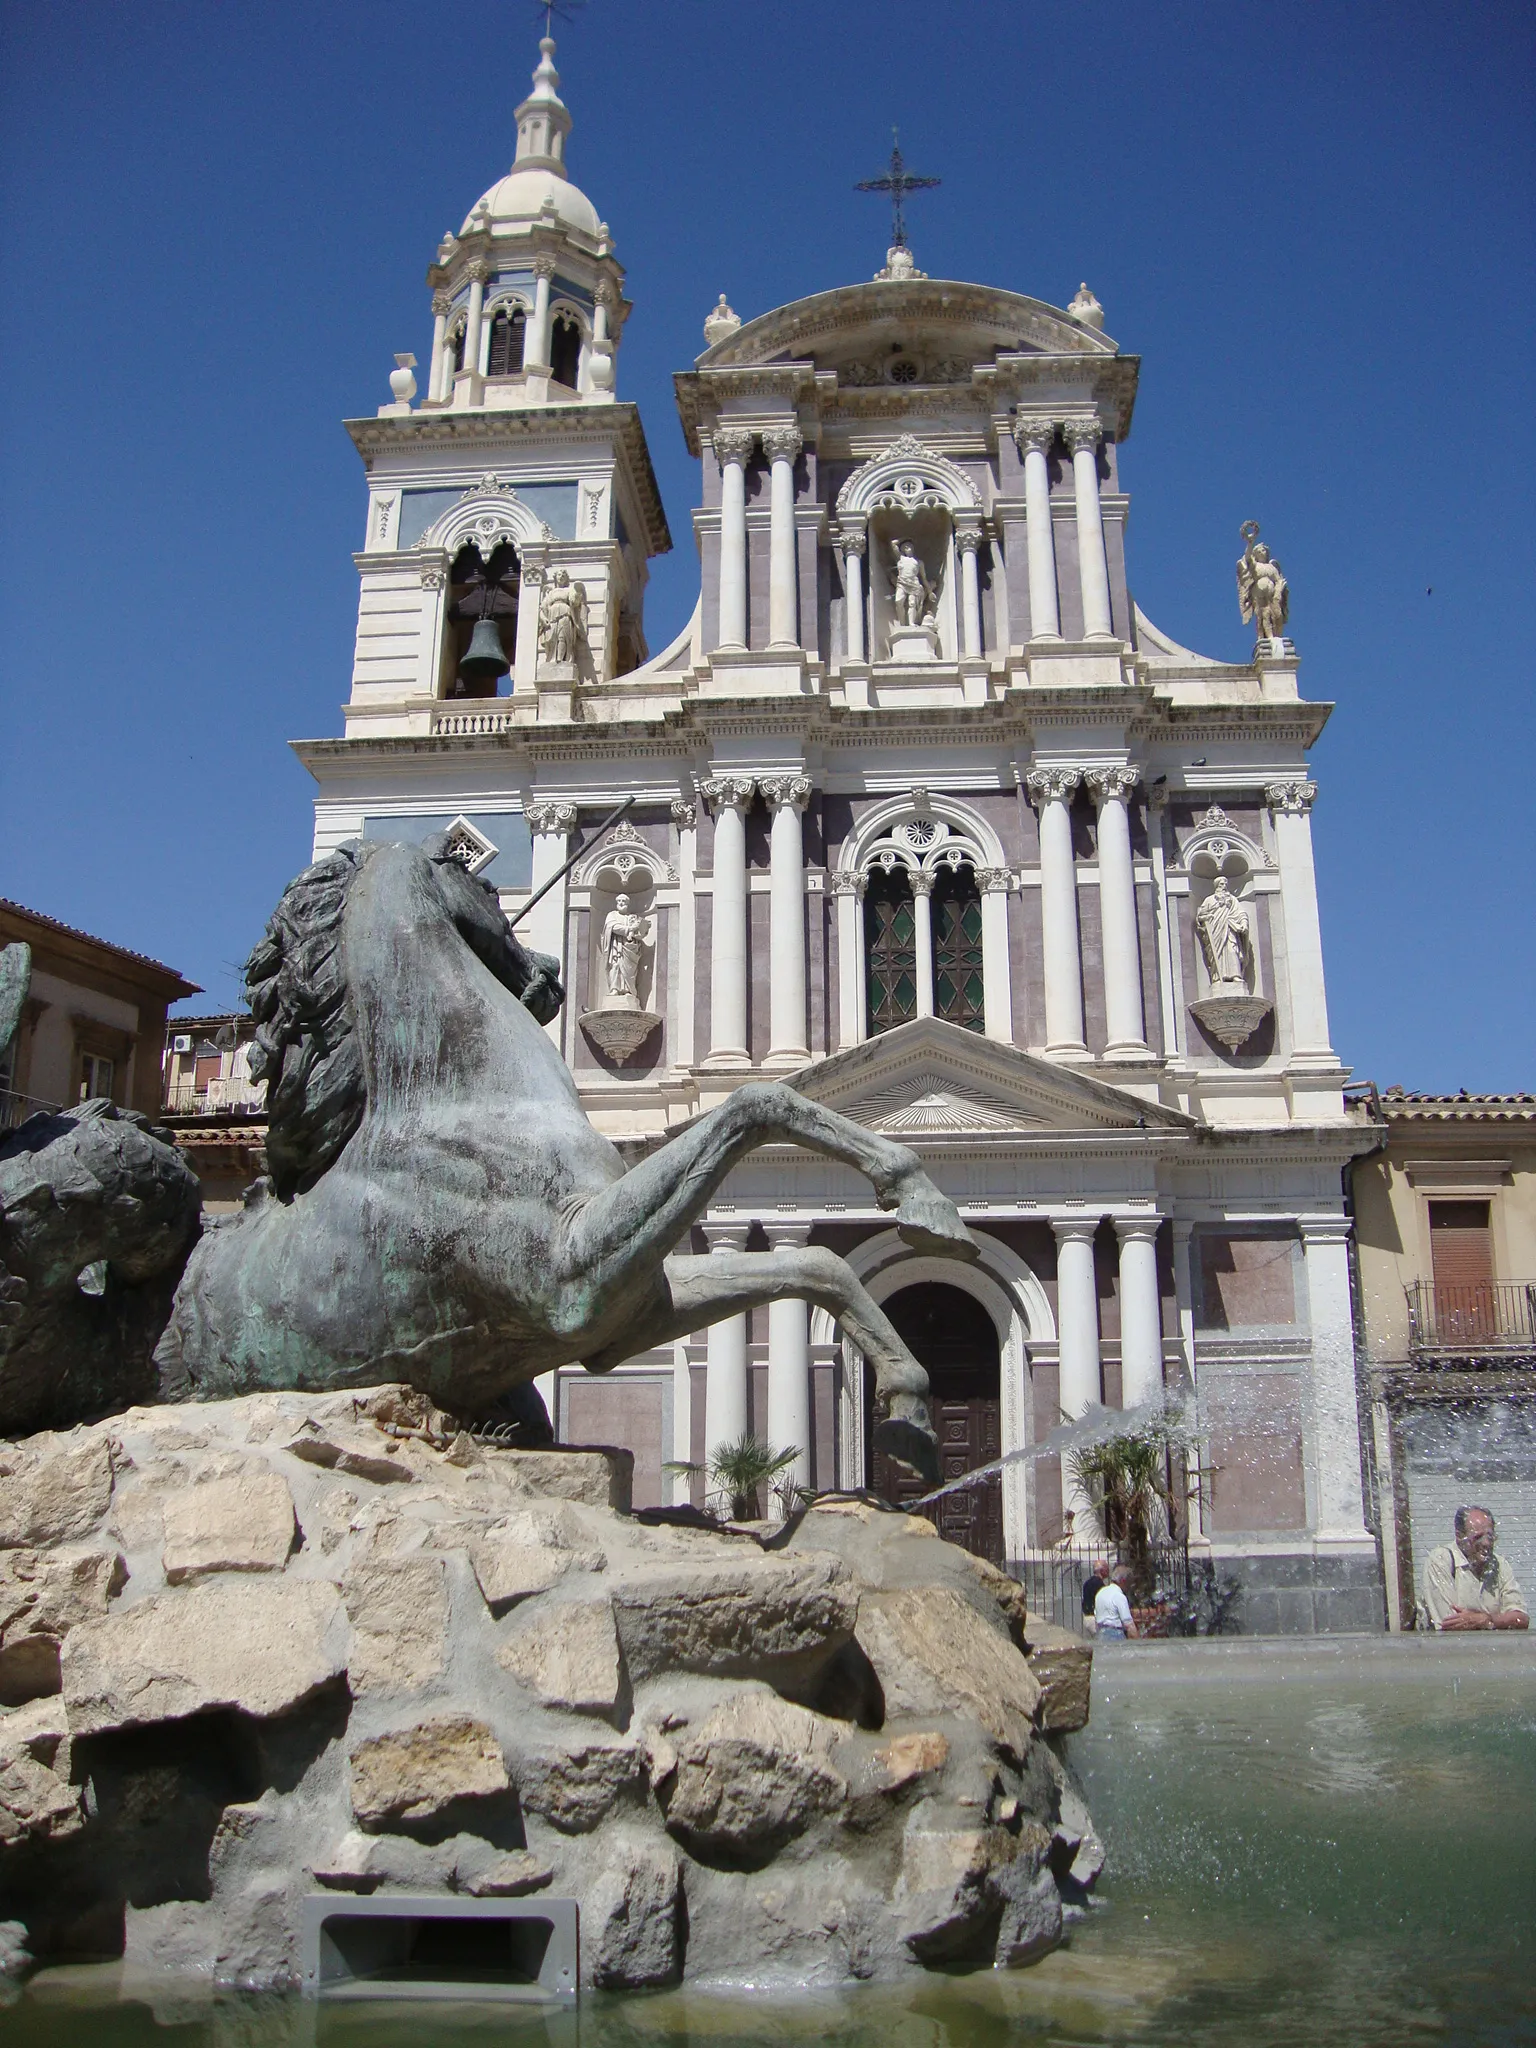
[898, 182]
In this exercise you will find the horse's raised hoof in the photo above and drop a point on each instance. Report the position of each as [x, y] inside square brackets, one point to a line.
[910, 1444]
[929, 1222]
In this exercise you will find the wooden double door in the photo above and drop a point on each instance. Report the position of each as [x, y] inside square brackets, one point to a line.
[954, 1339]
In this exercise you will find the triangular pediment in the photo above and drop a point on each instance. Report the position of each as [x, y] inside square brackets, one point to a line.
[932, 1079]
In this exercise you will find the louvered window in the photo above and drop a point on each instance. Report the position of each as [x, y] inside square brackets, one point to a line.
[890, 950]
[565, 351]
[958, 987]
[507, 331]
[458, 349]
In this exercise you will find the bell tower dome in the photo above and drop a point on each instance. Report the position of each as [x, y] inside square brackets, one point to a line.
[527, 298]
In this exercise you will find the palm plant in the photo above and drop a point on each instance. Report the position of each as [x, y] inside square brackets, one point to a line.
[1125, 1481]
[738, 1472]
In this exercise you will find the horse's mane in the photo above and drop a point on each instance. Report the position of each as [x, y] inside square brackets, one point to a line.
[306, 1046]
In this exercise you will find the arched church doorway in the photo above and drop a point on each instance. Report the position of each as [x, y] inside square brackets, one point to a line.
[955, 1340]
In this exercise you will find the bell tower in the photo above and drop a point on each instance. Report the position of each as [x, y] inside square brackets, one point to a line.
[518, 472]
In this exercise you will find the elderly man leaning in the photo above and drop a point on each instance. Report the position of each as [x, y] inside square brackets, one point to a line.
[1466, 1585]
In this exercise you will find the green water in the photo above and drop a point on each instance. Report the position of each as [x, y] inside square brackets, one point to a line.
[1331, 1845]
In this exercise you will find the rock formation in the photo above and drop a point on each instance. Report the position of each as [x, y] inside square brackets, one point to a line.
[289, 1643]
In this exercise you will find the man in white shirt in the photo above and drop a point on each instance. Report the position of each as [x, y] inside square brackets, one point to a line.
[1112, 1611]
[1467, 1585]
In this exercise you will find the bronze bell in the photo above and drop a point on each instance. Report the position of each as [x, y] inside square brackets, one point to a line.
[483, 659]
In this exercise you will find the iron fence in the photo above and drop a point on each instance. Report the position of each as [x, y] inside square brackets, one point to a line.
[1472, 1316]
[1185, 1597]
[15, 1109]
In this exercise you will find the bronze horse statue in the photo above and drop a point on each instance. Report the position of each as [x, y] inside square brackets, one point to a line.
[439, 1209]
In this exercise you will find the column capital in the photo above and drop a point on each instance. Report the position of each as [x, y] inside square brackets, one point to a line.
[433, 575]
[442, 302]
[1052, 785]
[547, 818]
[1075, 1229]
[1086, 431]
[1112, 785]
[783, 1230]
[1129, 1228]
[994, 881]
[478, 270]
[968, 539]
[849, 882]
[734, 444]
[684, 814]
[921, 881]
[728, 792]
[782, 444]
[726, 1237]
[851, 540]
[779, 790]
[1030, 432]
[603, 294]
[543, 267]
[1291, 798]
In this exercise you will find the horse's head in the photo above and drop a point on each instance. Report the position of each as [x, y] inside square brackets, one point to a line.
[484, 927]
[306, 1047]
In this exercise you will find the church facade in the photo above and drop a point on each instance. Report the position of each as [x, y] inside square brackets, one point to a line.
[924, 816]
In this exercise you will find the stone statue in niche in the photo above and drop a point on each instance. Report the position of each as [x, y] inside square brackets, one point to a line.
[1263, 595]
[626, 940]
[1222, 922]
[562, 620]
[913, 597]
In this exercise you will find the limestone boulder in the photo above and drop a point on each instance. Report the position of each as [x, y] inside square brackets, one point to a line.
[751, 1775]
[782, 1618]
[576, 1786]
[567, 1654]
[235, 1518]
[946, 1899]
[260, 1645]
[631, 1917]
[35, 1803]
[909, 1757]
[503, 1874]
[43, 1595]
[933, 1654]
[413, 1774]
[1031, 1921]
[1063, 1667]
[527, 1553]
[57, 1489]
[398, 1608]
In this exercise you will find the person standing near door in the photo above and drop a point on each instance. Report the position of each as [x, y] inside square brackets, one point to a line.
[1467, 1585]
[1113, 1621]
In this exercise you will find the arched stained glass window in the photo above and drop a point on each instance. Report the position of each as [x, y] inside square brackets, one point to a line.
[958, 985]
[890, 950]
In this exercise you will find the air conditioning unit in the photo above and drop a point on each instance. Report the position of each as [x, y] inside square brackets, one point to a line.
[182, 1042]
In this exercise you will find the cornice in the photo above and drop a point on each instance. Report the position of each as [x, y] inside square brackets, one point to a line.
[614, 422]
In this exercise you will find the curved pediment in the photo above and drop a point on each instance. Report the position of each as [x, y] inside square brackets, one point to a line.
[927, 330]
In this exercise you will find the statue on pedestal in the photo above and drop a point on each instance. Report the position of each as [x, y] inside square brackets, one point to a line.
[1222, 922]
[1263, 595]
[626, 939]
[562, 620]
[913, 597]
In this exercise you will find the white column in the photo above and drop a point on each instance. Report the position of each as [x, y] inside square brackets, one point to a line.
[1291, 803]
[602, 299]
[1141, 1311]
[1034, 438]
[725, 1371]
[1184, 1291]
[1052, 790]
[1123, 1014]
[781, 445]
[536, 351]
[1335, 1406]
[996, 980]
[922, 938]
[786, 797]
[848, 886]
[729, 795]
[442, 303]
[1083, 437]
[853, 593]
[968, 541]
[733, 446]
[544, 929]
[479, 271]
[789, 1366]
[685, 818]
[1077, 1332]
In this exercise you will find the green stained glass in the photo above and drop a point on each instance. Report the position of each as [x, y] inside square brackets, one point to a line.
[959, 991]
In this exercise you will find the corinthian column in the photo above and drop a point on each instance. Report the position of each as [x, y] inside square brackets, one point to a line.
[968, 541]
[849, 886]
[1034, 438]
[733, 446]
[1052, 790]
[1141, 1311]
[730, 795]
[537, 354]
[479, 271]
[789, 1365]
[922, 936]
[544, 930]
[852, 545]
[786, 797]
[1083, 436]
[781, 445]
[725, 1370]
[1291, 802]
[442, 306]
[1124, 1020]
[1077, 1331]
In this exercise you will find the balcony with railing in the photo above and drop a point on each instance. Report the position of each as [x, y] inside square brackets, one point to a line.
[1493, 1319]
[228, 1096]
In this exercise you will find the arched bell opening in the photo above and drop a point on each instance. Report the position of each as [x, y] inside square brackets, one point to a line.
[480, 641]
[955, 1340]
[565, 351]
[509, 330]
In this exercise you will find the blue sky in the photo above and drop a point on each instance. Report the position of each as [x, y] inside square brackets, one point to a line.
[1313, 222]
